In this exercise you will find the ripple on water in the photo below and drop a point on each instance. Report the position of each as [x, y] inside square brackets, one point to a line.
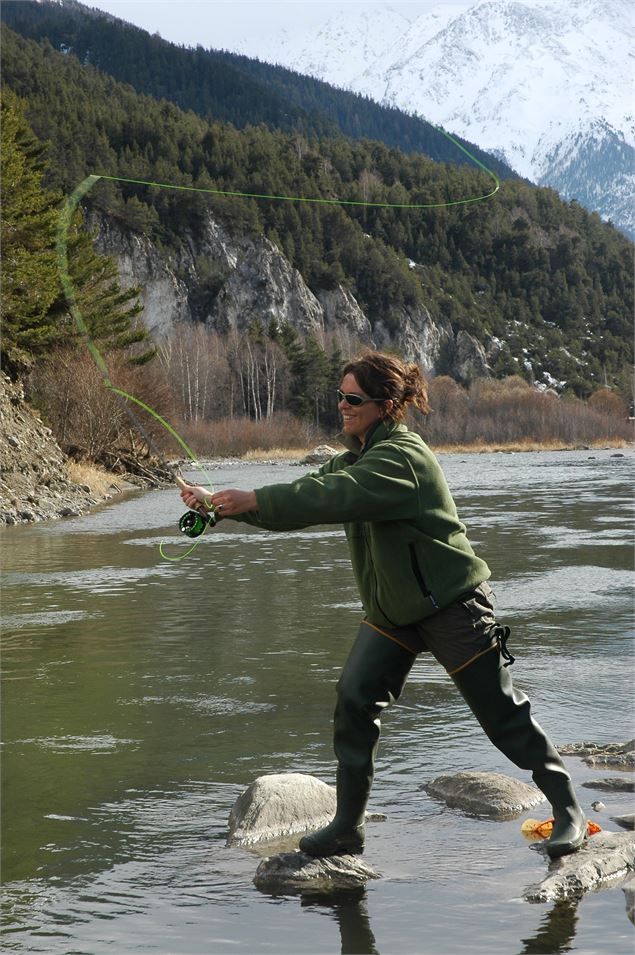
[91, 744]
[51, 618]
[211, 705]
[544, 591]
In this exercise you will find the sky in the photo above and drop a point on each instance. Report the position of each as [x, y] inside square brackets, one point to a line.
[222, 25]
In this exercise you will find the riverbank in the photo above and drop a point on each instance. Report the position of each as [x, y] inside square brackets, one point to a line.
[38, 481]
[299, 454]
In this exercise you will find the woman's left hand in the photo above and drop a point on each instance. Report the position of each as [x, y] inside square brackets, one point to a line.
[231, 502]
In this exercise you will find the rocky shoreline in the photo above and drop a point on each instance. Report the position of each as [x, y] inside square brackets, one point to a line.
[35, 482]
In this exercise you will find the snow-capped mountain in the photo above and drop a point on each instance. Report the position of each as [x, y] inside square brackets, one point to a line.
[545, 84]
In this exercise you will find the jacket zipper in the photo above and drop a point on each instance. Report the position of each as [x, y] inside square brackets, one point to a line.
[427, 593]
[372, 566]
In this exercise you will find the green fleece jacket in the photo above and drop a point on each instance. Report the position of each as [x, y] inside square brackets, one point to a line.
[409, 551]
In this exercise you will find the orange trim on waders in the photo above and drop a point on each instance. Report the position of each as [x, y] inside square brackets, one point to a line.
[390, 637]
[468, 663]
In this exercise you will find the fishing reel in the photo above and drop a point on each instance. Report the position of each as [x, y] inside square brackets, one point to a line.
[193, 523]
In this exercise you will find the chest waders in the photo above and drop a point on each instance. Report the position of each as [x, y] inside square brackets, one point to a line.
[505, 714]
[374, 676]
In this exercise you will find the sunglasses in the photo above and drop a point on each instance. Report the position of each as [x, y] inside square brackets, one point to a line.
[355, 400]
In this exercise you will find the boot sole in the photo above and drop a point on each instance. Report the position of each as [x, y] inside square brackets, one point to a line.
[334, 851]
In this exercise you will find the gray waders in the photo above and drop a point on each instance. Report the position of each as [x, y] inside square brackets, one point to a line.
[374, 676]
[505, 714]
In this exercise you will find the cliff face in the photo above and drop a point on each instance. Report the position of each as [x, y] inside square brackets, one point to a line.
[229, 283]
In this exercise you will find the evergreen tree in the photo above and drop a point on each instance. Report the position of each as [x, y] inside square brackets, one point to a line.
[34, 312]
[29, 268]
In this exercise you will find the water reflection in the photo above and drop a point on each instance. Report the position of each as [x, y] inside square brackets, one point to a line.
[350, 911]
[556, 931]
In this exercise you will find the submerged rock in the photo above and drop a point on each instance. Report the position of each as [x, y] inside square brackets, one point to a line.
[600, 863]
[611, 784]
[601, 755]
[626, 822]
[485, 794]
[296, 870]
[279, 805]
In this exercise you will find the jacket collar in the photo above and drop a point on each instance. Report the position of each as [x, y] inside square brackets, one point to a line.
[381, 430]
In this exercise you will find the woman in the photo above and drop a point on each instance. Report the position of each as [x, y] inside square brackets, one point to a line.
[422, 588]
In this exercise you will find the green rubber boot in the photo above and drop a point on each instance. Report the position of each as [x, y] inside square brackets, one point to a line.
[373, 677]
[504, 713]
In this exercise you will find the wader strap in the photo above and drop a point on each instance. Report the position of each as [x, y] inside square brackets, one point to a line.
[501, 635]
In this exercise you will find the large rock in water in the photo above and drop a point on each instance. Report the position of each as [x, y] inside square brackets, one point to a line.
[279, 805]
[485, 794]
[603, 755]
[600, 863]
[611, 784]
[296, 870]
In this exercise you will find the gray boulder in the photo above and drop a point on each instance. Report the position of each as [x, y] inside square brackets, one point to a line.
[603, 755]
[603, 860]
[611, 784]
[280, 805]
[296, 870]
[485, 794]
[319, 455]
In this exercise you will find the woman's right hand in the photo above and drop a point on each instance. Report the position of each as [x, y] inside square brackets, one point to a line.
[196, 497]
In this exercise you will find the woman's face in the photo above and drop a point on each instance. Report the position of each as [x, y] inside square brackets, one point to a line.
[359, 418]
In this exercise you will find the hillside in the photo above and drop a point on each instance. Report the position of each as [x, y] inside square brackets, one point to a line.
[542, 287]
[218, 85]
[546, 85]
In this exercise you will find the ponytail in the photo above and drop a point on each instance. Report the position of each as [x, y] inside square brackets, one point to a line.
[389, 378]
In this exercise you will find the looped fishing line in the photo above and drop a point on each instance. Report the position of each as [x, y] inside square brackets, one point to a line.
[64, 224]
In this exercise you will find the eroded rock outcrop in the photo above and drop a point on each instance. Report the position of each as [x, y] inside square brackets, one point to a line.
[485, 794]
[603, 755]
[602, 861]
[264, 288]
[230, 282]
[34, 481]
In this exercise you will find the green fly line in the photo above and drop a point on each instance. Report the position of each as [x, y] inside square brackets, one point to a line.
[63, 228]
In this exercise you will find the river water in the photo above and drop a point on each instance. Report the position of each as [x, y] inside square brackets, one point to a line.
[142, 696]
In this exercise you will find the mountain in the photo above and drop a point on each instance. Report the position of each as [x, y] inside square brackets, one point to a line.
[229, 87]
[522, 282]
[546, 85]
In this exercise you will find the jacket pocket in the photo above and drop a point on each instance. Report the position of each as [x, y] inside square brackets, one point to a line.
[416, 569]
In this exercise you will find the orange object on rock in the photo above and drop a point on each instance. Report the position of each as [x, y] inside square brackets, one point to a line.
[534, 829]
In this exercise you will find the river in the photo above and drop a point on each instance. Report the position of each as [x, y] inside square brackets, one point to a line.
[141, 696]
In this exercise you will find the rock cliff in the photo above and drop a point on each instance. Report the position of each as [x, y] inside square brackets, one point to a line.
[229, 282]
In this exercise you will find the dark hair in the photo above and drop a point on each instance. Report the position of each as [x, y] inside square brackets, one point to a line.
[388, 377]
